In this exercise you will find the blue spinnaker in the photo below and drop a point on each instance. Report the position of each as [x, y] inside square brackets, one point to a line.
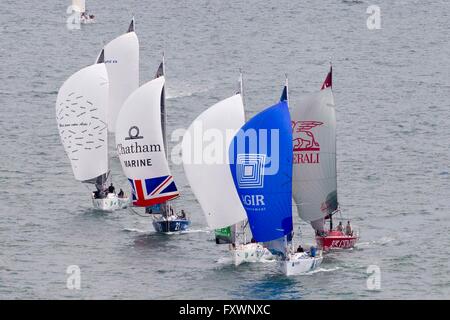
[261, 166]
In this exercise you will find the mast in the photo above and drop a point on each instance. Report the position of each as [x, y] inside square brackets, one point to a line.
[165, 207]
[102, 179]
[335, 143]
[163, 110]
[132, 25]
[285, 97]
[236, 226]
[329, 83]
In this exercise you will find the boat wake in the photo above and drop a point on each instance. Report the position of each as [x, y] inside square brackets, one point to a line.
[136, 230]
[368, 244]
[322, 270]
[189, 231]
[225, 260]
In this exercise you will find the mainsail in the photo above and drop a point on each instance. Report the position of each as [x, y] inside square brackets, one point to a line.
[121, 57]
[261, 166]
[79, 5]
[210, 179]
[314, 146]
[81, 111]
[140, 145]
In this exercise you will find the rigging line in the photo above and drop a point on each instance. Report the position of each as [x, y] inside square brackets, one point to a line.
[137, 213]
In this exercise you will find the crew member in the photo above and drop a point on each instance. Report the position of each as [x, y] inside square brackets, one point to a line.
[111, 188]
[348, 229]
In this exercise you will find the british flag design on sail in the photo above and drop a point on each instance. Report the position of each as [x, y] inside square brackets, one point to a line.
[152, 191]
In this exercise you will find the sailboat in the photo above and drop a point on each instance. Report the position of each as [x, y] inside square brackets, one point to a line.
[211, 180]
[79, 6]
[315, 178]
[81, 111]
[121, 57]
[261, 167]
[141, 144]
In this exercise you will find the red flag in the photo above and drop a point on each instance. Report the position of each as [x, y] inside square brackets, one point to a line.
[328, 80]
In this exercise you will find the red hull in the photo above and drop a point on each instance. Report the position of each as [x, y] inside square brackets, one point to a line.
[336, 240]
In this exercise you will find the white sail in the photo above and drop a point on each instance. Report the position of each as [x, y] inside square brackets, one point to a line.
[314, 141]
[79, 5]
[121, 57]
[212, 183]
[81, 111]
[139, 143]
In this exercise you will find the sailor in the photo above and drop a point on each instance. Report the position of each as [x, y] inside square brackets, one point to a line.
[121, 193]
[340, 227]
[111, 188]
[300, 249]
[183, 214]
[348, 229]
[312, 251]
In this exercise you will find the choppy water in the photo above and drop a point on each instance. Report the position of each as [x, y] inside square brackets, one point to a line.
[392, 99]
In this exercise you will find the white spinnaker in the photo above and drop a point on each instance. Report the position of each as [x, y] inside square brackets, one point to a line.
[211, 182]
[121, 57]
[79, 5]
[314, 172]
[81, 112]
[139, 125]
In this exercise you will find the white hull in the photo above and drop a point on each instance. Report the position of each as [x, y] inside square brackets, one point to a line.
[110, 203]
[251, 252]
[300, 263]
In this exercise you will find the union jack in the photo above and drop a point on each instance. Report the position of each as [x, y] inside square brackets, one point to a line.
[152, 191]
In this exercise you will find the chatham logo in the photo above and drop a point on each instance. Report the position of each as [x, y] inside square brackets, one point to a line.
[250, 170]
[133, 148]
[133, 133]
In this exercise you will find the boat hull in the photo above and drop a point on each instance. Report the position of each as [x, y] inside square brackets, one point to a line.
[111, 203]
[251, 252]
[336, 240]
[175, 225]
[300, 264]
[84, 20]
